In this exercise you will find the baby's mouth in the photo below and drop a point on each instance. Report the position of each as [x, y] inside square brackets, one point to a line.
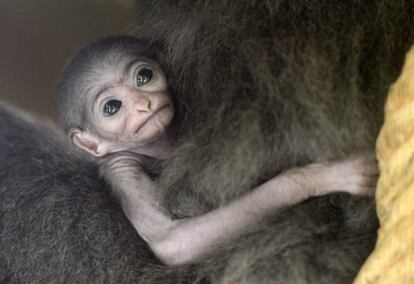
[151, 116]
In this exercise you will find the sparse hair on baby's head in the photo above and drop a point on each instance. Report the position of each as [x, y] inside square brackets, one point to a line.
[86, 65]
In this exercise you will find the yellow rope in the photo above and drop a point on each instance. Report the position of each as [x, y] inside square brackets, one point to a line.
[393, 258]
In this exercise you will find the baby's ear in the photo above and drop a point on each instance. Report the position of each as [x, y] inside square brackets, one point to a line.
[88, 142]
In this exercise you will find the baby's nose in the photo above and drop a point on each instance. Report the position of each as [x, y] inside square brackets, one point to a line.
[142, 104]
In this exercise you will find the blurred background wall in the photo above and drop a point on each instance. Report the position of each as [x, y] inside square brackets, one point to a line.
[38, 37]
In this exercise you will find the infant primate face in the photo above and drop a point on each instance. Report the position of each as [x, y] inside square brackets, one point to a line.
[132, 105]
[129, 105]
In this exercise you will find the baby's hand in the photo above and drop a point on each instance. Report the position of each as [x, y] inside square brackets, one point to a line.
[356, 175]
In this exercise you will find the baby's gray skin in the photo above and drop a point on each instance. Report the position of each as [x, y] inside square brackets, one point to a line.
[114, 104]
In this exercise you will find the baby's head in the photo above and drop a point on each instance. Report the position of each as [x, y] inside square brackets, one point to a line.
[113, 96]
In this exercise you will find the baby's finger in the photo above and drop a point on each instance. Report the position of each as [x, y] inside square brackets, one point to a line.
[368, 190]
[368, 181]
[370, 169]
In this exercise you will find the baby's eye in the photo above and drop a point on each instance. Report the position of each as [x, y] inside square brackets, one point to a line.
[111, 107]
[144, 76]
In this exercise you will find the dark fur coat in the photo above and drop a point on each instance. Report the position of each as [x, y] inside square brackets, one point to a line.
[260, 86]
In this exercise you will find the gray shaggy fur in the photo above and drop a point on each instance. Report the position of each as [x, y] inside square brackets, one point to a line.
[260, 86]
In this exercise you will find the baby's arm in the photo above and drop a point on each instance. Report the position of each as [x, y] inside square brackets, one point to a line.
[183, 241]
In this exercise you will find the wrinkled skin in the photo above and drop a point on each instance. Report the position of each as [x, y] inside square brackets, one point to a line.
[276, 84]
